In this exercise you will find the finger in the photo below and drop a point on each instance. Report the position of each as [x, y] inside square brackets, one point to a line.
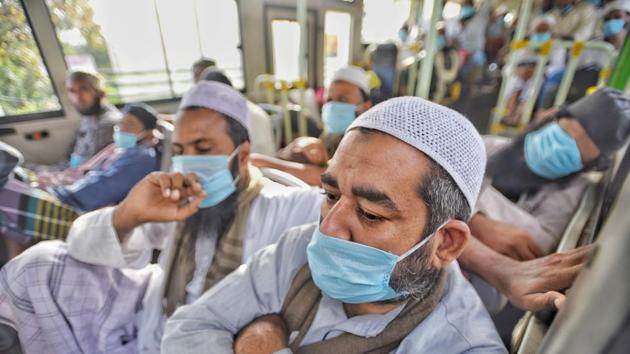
[524, 252]
[165, 184]
[189, 209]
[544, 301]
[534, 248]
[559, 302]
[177, 184]
[561, 278]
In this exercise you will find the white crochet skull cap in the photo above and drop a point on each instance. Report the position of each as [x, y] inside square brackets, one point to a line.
[444, 135]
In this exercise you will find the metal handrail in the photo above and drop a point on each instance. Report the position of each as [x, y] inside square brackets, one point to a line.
[577, 49]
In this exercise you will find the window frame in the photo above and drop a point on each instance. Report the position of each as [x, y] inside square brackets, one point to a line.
[168, 70]
[25, 117]
[61, 113]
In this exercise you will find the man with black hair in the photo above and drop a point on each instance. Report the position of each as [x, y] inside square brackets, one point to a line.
[32, 212]
[87, 95]
[207, 217]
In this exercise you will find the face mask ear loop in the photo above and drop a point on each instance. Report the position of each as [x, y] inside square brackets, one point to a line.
[234, 153]
[421, 243]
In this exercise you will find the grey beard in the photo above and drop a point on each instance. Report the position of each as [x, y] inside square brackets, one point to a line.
[414, 276]
[213, 221]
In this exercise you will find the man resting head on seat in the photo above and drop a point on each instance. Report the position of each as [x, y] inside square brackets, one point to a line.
[348, 96]
[45, 213]
[544, 166]
[377, 272]
[207, 218]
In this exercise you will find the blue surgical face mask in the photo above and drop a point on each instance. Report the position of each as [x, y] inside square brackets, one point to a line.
[403, 35]
[76, 160]
[612, 27]
[125, 140]
[466, 12]
[537, 39]
[338, 116]
[213, 173]
[351, 272]
[552, 153]
[440, 42]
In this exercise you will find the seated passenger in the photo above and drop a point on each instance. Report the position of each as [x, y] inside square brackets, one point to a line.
[519, 90]
[208, 218]
[261, 131]
[348, 96]
[545, 165]
[31, 214]
[199, 66]
[87, 95]
[616, 22]
[574, 19]
[377, 273]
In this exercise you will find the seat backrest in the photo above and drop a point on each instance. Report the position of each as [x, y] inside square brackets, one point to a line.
[596, 316]
[283, 178]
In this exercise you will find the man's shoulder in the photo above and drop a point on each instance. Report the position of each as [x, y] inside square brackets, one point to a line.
[458, 324]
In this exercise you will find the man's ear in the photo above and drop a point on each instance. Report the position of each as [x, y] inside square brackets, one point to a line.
[243, 154]
[367, 105]
[449, 242]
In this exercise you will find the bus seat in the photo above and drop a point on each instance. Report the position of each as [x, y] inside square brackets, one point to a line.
[165, 128]
[9, 341]
[596, 316]
[283, 178]
[276, 115]
[529, 332]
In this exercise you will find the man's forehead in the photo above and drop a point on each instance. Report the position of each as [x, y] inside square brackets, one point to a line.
[342, 86]
[199, 123]
[378, 159]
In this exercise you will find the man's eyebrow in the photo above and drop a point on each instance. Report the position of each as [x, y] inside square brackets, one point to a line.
[375, 196]
[328, 179]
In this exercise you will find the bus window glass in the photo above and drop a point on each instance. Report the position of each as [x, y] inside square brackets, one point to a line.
[383, 19]
[337, 30]
[286, 52]
[150, 62]
[25, 86]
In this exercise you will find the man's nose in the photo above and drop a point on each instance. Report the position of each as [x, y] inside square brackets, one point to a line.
[336, 222]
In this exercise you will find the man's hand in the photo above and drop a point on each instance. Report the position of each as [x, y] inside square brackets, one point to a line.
[159, 197]
[504, 238]
[534, 285]
[266, 334]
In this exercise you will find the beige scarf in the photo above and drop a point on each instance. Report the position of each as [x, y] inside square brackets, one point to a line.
[300, 306]
[180, 267]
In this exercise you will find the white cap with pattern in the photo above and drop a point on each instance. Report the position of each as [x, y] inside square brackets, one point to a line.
[217, 97]
[354, 75]
[444, 135]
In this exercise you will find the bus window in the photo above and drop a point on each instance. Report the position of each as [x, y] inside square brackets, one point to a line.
[337, 30]
[152, 62]
[286, 34]
[25, 86]
[382, 19]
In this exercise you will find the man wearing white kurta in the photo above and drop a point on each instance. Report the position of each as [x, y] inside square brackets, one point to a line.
[377, 273]
[115, 301]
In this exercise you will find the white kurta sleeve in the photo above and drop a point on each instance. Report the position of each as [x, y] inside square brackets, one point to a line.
[254, 289]
[93, 239]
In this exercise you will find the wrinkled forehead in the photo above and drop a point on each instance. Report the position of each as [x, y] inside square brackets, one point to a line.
[380, 161]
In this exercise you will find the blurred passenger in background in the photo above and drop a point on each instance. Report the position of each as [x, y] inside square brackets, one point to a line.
[29, 214]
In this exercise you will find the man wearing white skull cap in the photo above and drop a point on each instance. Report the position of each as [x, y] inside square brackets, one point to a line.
[207, 217]
[377, 273]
